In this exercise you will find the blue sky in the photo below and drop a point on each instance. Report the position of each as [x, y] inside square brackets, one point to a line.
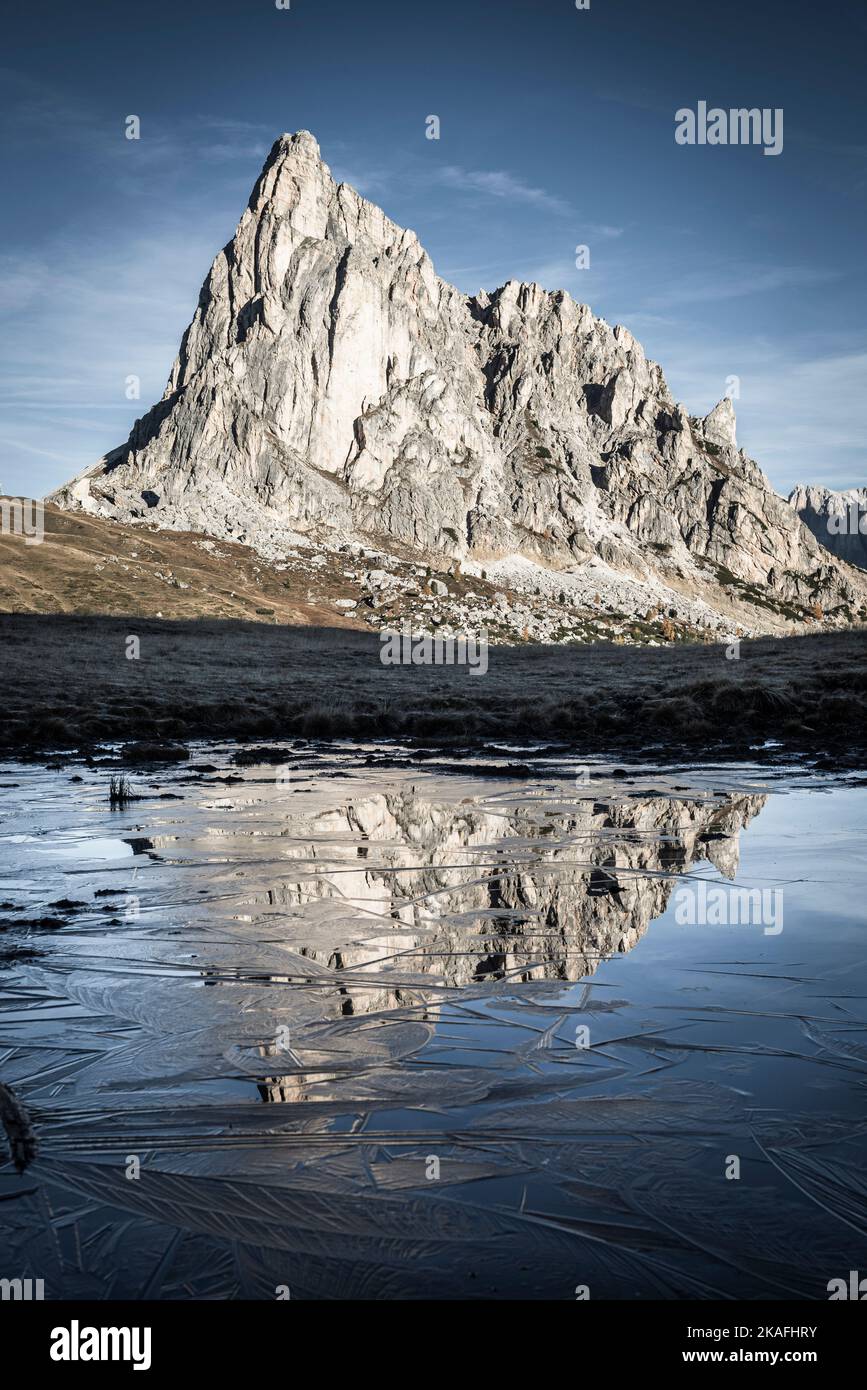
[557, 129]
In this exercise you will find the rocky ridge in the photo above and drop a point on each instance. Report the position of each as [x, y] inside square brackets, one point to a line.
[332, 391]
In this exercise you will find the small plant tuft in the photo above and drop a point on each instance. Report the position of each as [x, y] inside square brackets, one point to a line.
[119, 793]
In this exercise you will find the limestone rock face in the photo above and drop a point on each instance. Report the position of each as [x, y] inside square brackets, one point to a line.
[838, 520]
[331, 386]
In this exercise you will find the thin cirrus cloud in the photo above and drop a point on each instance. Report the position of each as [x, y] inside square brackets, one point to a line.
[497, 183]
[37, 116]
[732, 282]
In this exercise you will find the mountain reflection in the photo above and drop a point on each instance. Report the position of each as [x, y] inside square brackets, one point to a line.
[408, 901]
[377, 1030]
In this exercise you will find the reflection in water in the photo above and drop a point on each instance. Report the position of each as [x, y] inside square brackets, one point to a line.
[473, 1084]
[415, 898]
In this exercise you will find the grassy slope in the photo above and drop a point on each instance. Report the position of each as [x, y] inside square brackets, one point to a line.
[87, 565]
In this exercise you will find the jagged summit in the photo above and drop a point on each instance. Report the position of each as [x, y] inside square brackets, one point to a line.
[332, 386]
[302, 140]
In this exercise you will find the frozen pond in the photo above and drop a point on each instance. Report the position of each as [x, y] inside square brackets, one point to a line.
[352, 1022]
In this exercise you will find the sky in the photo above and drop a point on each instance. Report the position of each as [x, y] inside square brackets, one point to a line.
[557, 130]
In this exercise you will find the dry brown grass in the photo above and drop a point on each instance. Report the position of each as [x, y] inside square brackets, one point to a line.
[87, 565]
[67, 683]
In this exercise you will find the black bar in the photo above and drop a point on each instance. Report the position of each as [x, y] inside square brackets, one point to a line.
[243, 1338]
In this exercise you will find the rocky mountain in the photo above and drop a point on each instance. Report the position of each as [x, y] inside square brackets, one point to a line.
[838, 520]
[331, 388]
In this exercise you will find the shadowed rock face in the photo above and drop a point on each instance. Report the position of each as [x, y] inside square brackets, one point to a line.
[330, 384]
[838, 520]
[445, 898]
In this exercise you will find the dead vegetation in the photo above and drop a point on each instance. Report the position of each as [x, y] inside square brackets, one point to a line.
[67, 684]
[120, 793]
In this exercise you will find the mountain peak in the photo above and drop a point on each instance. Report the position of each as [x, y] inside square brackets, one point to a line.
[331, 386]
[720, 426]
[302, 142]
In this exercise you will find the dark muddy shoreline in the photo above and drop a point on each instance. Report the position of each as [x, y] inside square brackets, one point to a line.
[68, 684]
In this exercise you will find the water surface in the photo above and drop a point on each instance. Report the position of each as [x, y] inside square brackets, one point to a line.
[350, 1022]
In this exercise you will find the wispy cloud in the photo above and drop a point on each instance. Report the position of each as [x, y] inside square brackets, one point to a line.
[497, 183]
[368, 181]
[735, 281]
[35, 114]
[605, 230]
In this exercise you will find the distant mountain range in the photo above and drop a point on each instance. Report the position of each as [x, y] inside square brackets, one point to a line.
[838, 520]
[332, 390]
